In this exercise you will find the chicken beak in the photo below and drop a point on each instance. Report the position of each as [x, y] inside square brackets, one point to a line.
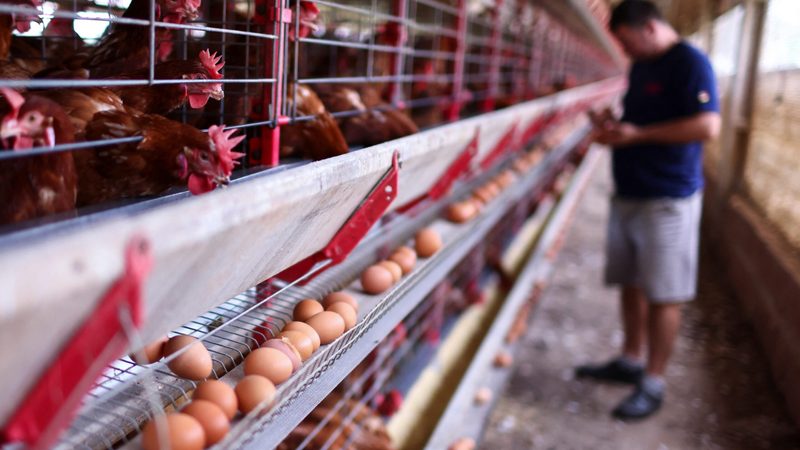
[9, 129]
[222, 181]
[217, 94]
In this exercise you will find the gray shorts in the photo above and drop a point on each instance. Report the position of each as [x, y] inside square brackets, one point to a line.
[654, 244]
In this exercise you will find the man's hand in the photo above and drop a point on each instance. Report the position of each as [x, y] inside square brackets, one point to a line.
[618, 134]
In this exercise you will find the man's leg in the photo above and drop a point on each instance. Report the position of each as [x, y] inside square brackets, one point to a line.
[664, 322]
[634, 322]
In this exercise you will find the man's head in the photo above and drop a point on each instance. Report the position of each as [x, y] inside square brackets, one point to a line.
[641, 29]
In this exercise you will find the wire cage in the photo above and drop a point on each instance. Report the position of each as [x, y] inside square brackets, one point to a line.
[297, 79]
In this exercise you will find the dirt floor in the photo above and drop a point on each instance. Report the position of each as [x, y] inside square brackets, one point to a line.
[719, 394]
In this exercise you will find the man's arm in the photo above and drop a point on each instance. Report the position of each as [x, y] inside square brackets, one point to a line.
[703, 126]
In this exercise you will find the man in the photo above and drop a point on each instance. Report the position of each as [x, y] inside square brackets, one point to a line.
[670, 108]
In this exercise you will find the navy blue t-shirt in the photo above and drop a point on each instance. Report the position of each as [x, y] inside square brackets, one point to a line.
[679, 84]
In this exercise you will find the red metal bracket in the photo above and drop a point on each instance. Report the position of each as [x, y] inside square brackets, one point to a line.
[536, 126]
[355, 228]
[50, 404]
[458, 167]
[504, 145]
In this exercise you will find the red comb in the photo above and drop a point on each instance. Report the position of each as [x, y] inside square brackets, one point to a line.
[212, 63]
[224, 143]
[15, 99]
[310, 8]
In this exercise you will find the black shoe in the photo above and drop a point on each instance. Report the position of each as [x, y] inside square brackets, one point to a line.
[638, 405]
[615, 370]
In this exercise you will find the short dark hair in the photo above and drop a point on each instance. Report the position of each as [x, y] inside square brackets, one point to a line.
[634, 13]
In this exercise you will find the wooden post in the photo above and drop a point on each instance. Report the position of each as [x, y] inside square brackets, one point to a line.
[735, 139]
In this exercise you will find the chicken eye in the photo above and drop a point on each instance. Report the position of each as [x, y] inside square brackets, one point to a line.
[31, 119]
[204, 157]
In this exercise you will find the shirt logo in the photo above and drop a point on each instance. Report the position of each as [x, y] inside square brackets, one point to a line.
[653, 88]
[704, 97]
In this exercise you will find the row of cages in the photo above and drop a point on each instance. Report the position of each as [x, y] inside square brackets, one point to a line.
[190, 93]
[131, 394]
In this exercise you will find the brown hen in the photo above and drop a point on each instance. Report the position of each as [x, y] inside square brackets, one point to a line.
[169, 154]
[35, 186]
[318, 138]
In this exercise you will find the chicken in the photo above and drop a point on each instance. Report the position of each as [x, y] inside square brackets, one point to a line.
[16, 21]
[164, 98]
[35, 186]
[11, 69]
[59, 42]
[372, 121]
[169, 154]
[81, 105]
[126, 47]
[318, 138]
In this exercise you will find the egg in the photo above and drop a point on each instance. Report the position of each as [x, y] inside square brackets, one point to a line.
[305, 329]
[300, 341]
[405, 260]
[483, 396]
[407, 250]
[394, 268]
[328, 325]
[347, 312]
[211, 417]
[483, 195]
[182, 432]
[427, 242]
[220, 394]
[269, 363]
[461, 212]
[285, 346]
[463, 444]
[194, 363]
[503, 359]
[252, 390]
[492, 189]
[150, 353]
[307, 308]
[339, 296]
[376, 279]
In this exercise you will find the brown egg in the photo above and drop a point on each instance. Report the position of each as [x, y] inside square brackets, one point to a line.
[220, 394]
[463, 444]
[305, 329]
[394, 268]
[376, 279]
[269, 363]
[285, 346]
[300, 341]
[194, 363]
[328, 325]
[461, 212]
[503, 359]
[182, 431]
[483, 396]
[151, 352]
[252, 390]
[347, 312]
[407, 250]
[307, 308]
[211, 417]
[492, 188]
[339, 296]
[405, 260]
[427, 242]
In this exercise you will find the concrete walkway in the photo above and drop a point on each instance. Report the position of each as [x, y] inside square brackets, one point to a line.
[719, 395]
